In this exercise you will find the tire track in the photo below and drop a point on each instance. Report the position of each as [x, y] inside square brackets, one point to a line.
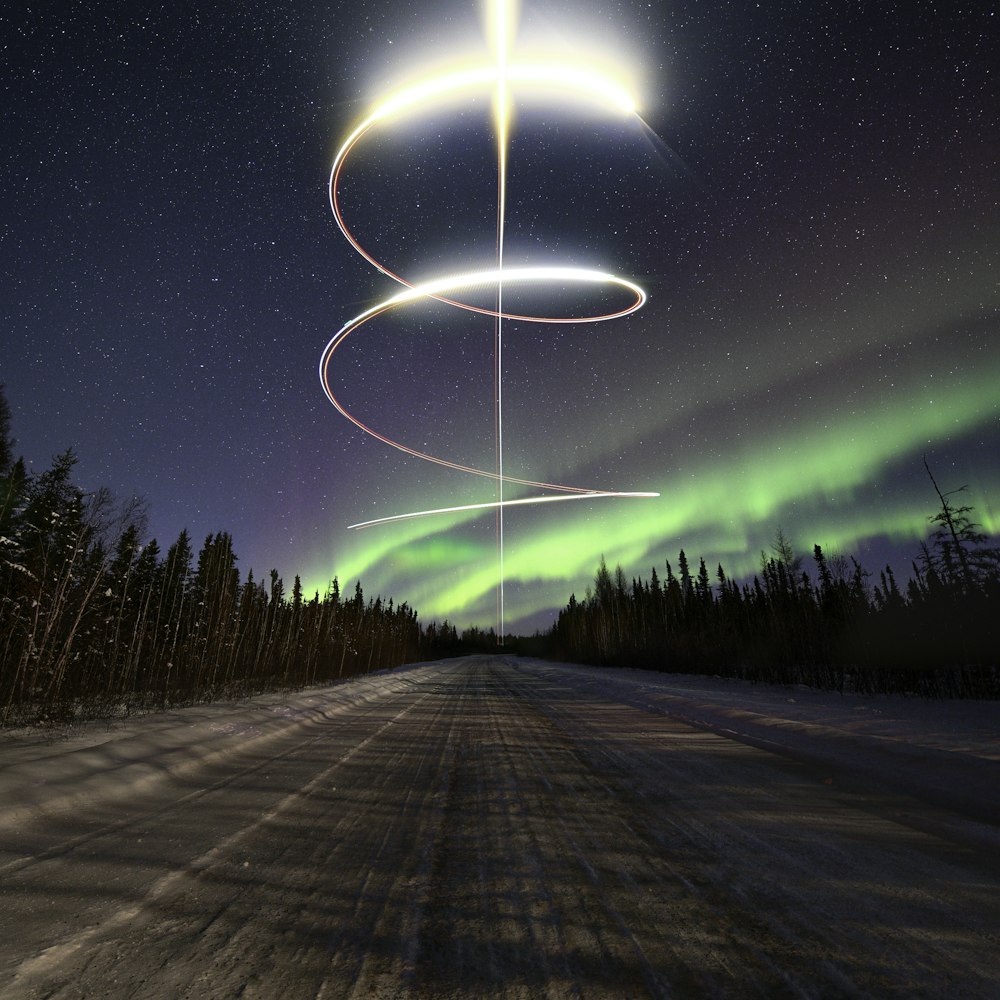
[496, 830]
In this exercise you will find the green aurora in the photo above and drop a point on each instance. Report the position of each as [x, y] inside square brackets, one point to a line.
[816, 477]
[823, 313]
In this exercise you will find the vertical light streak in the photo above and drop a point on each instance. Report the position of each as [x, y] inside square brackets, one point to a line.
[503, 18]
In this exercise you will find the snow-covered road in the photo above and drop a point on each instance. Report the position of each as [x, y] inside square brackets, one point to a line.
[498, 827]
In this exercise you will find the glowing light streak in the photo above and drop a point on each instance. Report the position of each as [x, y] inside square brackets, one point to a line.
[550, 77]
[522, 502]
[591, 87]
[503, 32]
[435, 289]
[570, 82]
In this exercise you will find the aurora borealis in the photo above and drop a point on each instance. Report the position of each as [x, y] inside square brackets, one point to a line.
[815, 220]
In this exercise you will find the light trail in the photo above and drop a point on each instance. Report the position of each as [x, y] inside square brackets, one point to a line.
[503, 32]
[437, 289]
[524, 501]
[502, 79]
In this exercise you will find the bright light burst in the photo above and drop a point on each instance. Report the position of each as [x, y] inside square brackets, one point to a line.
[505, 79]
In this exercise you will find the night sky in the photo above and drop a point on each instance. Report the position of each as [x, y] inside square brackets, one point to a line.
[815, 220]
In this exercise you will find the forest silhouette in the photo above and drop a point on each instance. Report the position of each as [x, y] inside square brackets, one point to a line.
[95, 621]
[831, 628]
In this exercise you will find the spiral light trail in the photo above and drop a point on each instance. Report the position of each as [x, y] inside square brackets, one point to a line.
[553, 79]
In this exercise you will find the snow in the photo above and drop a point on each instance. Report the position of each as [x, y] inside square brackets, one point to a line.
[53, 768]
[970, 727]
[500, 827]
[45, 769]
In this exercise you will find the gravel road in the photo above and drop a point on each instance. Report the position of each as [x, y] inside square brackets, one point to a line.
[490, 827]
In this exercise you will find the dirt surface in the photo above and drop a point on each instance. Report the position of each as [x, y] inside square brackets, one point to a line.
[490, 827]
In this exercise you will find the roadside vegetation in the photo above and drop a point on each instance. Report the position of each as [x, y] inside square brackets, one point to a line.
[825, 621]
[95, 622]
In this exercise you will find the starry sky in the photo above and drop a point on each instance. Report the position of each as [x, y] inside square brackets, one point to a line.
[813, 209]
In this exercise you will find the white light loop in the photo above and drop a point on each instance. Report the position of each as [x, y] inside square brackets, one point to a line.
[505, 78]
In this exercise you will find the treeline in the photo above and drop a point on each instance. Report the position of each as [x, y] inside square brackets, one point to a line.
[93, 621]
[440, 640]
[829, 625]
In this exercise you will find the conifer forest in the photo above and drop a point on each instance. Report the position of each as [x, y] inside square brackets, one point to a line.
[829, 625]
[95, 620]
